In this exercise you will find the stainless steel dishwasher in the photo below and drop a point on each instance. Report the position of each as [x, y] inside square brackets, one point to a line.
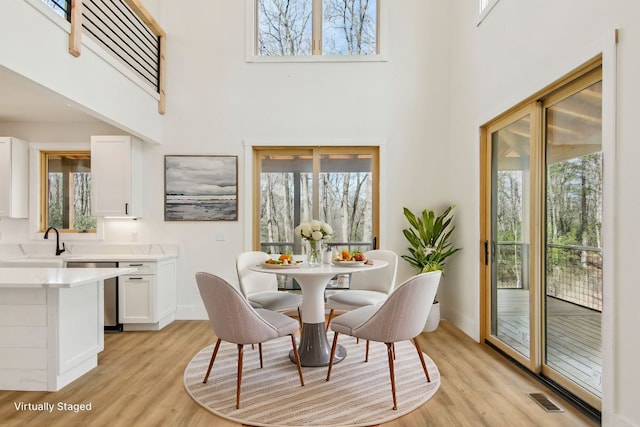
[111, 322]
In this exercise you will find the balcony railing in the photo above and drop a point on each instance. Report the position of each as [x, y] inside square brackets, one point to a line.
[573, 273]
[125, 29]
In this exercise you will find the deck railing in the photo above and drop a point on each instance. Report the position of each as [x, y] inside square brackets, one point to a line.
[573, 273]
[125, 29]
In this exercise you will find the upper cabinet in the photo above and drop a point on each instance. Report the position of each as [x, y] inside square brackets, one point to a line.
[14, 178]
[116, 176]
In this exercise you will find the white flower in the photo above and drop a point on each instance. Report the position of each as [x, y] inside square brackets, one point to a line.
[305, 230]
[313, 230]
[326, 228]
[428, 251]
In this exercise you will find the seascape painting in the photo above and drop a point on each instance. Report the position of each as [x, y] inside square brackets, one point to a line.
[201, 188]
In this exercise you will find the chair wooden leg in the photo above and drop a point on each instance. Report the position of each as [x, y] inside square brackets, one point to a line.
[392, 374]
[393, 349]
[424, 365]
[260, 351]
[240, 347]
[297, 357]
[333, 353]
[300, 319]
[366, 353]
[326, 328]
[213, 357]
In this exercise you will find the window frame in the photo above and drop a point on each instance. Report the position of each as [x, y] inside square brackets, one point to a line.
[44, 184]
[36, 191]
[252, 37]
[252, 178]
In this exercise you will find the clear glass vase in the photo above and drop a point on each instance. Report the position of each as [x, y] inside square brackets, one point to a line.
[314, 253]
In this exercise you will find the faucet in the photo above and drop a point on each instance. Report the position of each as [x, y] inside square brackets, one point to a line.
[46, 236]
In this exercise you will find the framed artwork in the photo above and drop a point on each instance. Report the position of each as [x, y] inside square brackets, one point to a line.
[200, 188]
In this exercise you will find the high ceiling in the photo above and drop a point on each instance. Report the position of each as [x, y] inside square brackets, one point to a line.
[22, 100]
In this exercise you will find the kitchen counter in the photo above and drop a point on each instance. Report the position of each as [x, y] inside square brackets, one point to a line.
[56, 277]
[51, 325]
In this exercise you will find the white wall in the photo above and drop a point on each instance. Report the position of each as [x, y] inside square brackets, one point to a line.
[216, 100]
[519, 49]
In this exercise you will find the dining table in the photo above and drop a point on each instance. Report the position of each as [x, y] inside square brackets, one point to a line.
[314, 349]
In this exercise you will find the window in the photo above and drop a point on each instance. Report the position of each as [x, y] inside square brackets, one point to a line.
[305, 28]
[65, 197]
[337, 185]
[61, 7]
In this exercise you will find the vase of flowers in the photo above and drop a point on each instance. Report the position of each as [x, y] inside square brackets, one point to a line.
[314, 232]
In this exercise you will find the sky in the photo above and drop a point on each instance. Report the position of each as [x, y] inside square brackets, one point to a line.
[201, 175]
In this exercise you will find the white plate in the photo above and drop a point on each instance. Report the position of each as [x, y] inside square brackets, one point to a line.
[280, 266]
[349, 263]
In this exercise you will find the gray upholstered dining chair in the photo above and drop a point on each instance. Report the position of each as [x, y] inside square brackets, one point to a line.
[401, 317]
[234, 320]
[366, 287]
[261, 289]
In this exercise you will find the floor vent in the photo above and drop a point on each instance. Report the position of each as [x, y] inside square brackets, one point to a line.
[544, 401]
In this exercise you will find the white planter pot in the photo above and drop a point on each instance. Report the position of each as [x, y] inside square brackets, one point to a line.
[434, 318]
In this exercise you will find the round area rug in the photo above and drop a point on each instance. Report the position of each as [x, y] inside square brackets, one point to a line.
[358, 394]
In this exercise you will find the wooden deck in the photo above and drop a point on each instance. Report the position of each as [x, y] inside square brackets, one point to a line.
[573, 336]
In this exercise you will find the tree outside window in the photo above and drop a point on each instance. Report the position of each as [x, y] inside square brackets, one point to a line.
[317, 27]
[334, 185]
[67, 192]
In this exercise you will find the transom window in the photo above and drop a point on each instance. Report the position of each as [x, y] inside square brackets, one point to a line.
[65, 196]
[286, 28]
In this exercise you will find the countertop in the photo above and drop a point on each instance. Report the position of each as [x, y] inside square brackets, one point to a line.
[56, 277]
[44, 253]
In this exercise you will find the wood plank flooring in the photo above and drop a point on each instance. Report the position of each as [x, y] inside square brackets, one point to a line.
[573, 336]
[139, 383]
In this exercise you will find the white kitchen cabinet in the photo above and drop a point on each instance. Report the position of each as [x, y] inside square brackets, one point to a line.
[116, 176]
[147, 298]
[14, 178]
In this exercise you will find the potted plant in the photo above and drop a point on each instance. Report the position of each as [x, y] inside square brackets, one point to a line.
[429, 237]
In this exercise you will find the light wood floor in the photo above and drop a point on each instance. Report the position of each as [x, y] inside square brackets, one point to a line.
[139, 383]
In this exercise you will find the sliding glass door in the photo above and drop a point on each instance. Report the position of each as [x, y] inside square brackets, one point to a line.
[542, 203]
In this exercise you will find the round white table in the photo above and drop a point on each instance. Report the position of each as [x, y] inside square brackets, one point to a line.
[314, 348]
